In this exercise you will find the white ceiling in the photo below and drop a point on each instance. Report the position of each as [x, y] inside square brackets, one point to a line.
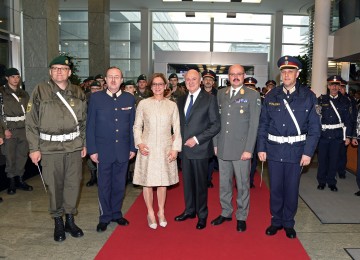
[296, 7]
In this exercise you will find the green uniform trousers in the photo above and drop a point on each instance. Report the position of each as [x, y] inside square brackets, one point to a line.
[62, 174]
[16, 151]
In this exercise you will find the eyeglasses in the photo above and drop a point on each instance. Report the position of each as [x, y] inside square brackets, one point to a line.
[236, 74]
[158, 84]
[62, 69]
[113, 77]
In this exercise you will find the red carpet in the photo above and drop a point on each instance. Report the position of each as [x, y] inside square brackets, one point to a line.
[181, 240]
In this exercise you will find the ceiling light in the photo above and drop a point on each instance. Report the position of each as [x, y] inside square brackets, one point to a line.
[190, 14]
[231, 15]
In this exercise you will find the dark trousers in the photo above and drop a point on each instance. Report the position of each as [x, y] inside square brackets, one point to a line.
[62, 173]
[195, 186]
[111, 189]
[341, 170]
[211, 167]
[254, 161]
[358, 168]
[328, 153]
[284, 191]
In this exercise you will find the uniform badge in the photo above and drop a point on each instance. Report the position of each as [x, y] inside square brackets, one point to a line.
[258, 101]
[318, 109]
[28, 108]
[72, 103]
[242, 91]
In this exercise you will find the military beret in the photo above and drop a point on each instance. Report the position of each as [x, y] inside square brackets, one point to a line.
[208, 73]
[334, 79]
[95, 84]
[343, 83]
[11, 72]
[99, 76]
[289, 62]
[270, 82]
[61, 60]
[250, 81]
[173, 76]
[129, 82]
[141, 77]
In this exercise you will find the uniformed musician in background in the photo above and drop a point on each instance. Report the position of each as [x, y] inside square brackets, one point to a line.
[336, 132]
[288, 134]
[55, 129]
[13, 102]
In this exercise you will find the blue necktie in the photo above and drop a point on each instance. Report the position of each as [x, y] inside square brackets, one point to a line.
[189, 107]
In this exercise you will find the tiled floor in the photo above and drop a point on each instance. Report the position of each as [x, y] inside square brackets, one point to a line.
[26, 229]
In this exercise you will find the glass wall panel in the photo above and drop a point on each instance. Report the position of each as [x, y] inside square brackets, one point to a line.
[5, 15]
[241, 33]
[294, 50]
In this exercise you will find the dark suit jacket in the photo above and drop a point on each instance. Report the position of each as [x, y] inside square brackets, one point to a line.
[203, 122]
[109, 130]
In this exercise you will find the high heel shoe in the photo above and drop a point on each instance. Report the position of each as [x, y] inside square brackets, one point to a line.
[162, 221]
[151, 224]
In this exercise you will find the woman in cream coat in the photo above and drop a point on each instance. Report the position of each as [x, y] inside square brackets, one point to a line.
[157, 136]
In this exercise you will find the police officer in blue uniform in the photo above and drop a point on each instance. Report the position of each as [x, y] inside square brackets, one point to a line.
[110, 143]
[341, 170]
[288, 134]
[355, 142]
[336, 131]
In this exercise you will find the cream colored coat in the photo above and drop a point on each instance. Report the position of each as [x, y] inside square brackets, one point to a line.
[153, 124]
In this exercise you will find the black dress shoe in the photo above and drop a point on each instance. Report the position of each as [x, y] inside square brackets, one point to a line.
[184, 216]
[219, 220]
[272, 230]
[321, 186]
[1, 200]
[252, 185]
[241, 226]
[333, 188]
[12, 187]
[201, 223]
[210, 184]
[59, 231]
[357, 193]
[290, 232]
[101, 227]
[121, 221]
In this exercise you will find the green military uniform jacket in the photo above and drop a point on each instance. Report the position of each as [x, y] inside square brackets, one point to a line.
[147, 93]
[177, 93]
[12, 108]
[47, 114]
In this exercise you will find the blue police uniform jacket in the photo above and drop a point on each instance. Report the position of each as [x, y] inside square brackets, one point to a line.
[109, 130]
[329, 117]
[276, 120]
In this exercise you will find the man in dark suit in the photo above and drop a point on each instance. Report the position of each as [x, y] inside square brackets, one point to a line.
[110, 143]
[200, 122]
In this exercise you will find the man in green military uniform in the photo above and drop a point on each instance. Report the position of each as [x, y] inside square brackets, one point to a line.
[176, 91]
[55, 129]
[13, 102]
[142, 91]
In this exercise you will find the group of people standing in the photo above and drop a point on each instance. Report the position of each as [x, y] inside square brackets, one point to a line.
[116, 126]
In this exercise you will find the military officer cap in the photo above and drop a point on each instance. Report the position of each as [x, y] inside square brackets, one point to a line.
[60, 60]
[141, 77]
[95, 84]
[209, 73]
[270, 82]
[11, 72]
[334, 79]
[289, 62]
[250, 81]
[99, 76]
[173, 76]
[129, 82]
[343, 83]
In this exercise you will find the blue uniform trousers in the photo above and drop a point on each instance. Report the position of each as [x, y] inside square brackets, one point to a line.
[341, 170]
[111, 189]
[358, 168]
[284, 191]
[328, 153]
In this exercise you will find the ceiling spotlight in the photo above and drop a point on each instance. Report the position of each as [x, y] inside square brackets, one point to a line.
[190, 14]
[231, 15]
